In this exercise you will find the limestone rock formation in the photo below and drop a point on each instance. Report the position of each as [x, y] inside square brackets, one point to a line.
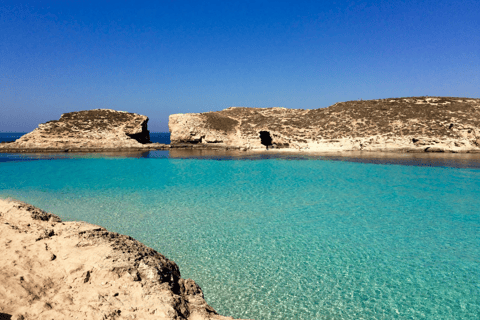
[74, 270]
[90, 130]
[417, 124]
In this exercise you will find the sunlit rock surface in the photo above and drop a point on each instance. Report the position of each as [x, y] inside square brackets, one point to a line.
[90, 130]
[75, 270]
[417, 124]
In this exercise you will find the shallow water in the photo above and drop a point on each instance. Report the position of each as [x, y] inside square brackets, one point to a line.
[283, 237]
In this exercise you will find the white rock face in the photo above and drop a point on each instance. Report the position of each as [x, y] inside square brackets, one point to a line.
[99, 129]
[74, 270]
[200, 128]
[433, 124]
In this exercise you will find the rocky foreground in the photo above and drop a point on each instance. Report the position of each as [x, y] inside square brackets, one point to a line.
[418, 124]
[74, 270]
[87, 131]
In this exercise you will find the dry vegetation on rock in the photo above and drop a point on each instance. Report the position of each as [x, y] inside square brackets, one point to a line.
[398, 124]
[90, 130]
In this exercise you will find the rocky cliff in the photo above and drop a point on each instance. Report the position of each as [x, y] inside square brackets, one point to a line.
[418, 124]
[90, 130]
[74, 270]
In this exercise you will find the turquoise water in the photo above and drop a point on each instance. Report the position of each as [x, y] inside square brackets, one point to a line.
[285, 239]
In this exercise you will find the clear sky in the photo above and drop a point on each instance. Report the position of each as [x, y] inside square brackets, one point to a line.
[163, 57]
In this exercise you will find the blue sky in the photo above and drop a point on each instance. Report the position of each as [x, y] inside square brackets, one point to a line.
[163, 57]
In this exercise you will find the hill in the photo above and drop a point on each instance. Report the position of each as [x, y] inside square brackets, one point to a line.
[415, 124]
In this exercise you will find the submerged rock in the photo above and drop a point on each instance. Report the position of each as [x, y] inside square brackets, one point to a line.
[418, 124]
[74, 270]
[90, 130]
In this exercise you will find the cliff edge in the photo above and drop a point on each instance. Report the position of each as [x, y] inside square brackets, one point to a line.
[74, 270]
[89, 130]
[416, 124]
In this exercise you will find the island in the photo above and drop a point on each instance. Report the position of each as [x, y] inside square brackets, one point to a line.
[75, 270]
[415, 124]
[98, 130]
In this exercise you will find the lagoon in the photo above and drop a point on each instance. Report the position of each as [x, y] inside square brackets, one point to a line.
[283, 237]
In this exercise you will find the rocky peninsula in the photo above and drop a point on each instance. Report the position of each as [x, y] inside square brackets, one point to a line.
[74, 270]
[88, 131]
[415, 124]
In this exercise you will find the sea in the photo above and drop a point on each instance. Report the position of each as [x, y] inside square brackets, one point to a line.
[279, 236]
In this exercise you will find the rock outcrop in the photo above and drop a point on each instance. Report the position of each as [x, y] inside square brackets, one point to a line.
[90, 130]
[74, 270]
[418, 124]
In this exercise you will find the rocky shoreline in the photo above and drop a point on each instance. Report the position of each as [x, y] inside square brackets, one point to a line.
[415, 124]
[398, 125]
[151, 147]
[75, 270]
[98, 130]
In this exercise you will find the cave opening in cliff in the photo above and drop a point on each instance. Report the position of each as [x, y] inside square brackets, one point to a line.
[143, 136]
[265, 138]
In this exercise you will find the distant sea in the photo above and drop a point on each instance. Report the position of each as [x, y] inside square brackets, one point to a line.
[283, 236]
[10, 136]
